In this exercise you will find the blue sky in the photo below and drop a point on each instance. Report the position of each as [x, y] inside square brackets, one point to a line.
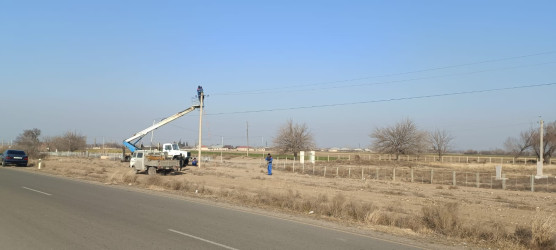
[107, 69]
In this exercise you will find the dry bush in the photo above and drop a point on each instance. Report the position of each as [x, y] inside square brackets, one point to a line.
[154, 180]
[412, 222]
[490, 232]
[442, 219]
[543, 232]
[337, 205]
[130, 177]
[523, 235]
[100, 170]
[359, 211]
[201, 189]
[380, 217]
[173, 185]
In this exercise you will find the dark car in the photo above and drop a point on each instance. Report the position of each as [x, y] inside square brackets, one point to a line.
[16, 157]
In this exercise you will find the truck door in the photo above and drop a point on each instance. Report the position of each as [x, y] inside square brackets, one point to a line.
[139, 161]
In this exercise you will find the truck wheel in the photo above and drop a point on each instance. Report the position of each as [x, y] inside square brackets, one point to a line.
[151, 171]
[135, 170]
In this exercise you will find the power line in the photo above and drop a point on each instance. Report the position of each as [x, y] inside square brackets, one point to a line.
[392, 99]
[298, 90]
[384, 75]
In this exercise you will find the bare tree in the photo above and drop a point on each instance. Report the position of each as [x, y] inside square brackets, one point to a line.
[401, 139]
[70, 141]
[529, 141]
[518, 146]
[294, 138]
[440, 141]
[549, 141]
[29, 141]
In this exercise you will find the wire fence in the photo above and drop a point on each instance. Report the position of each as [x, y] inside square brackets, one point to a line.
[322, 157]
[109, 156]
[424, 175]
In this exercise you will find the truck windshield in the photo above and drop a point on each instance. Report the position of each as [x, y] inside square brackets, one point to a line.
[175, 147]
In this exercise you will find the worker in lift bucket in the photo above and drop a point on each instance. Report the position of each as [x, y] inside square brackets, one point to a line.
[200, 92]
[194, 162]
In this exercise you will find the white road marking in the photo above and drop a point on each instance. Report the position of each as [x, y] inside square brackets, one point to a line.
[36, 191]
[201, 239]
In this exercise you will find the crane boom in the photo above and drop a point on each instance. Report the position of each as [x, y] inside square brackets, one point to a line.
[131, 141]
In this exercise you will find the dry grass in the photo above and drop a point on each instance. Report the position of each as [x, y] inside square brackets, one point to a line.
[437, 217]
[543, 232]
[442, 219]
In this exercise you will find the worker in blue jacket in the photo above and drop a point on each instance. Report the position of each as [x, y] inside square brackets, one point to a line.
[200, 92]
[194, 162]
[269, 160]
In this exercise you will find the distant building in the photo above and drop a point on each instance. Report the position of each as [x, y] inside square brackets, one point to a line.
[244, 148]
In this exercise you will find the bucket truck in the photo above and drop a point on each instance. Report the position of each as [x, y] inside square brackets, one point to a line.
[131, 142]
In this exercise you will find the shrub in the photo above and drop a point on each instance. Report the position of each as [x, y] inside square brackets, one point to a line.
[442, 219]
[543, 232]
[337, 205]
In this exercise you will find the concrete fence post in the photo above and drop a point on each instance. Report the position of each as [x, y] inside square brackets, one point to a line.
[432, 174]
[337, 172]
[362, 174]
[349, 173]
[324, 171]
[394, 174]
[454, 178]
[40, 162]
[532, 183]
[412, 174]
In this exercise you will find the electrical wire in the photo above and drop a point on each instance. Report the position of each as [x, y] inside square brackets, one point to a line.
[390, 99]
[384, 75]
[300, 90]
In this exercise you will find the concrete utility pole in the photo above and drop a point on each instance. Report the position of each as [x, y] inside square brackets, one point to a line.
[201, 98]
[541, 149]
[221, 149]
[247, 138]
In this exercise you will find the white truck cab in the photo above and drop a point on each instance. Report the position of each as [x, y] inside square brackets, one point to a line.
[174, 151]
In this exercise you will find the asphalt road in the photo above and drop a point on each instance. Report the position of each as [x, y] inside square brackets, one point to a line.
[45, 212]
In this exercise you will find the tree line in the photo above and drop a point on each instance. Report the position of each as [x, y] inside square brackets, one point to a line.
[405, 138]
[30, 142]
[402, 138]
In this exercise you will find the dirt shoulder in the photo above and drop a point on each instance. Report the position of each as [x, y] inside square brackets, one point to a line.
[435, 214]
